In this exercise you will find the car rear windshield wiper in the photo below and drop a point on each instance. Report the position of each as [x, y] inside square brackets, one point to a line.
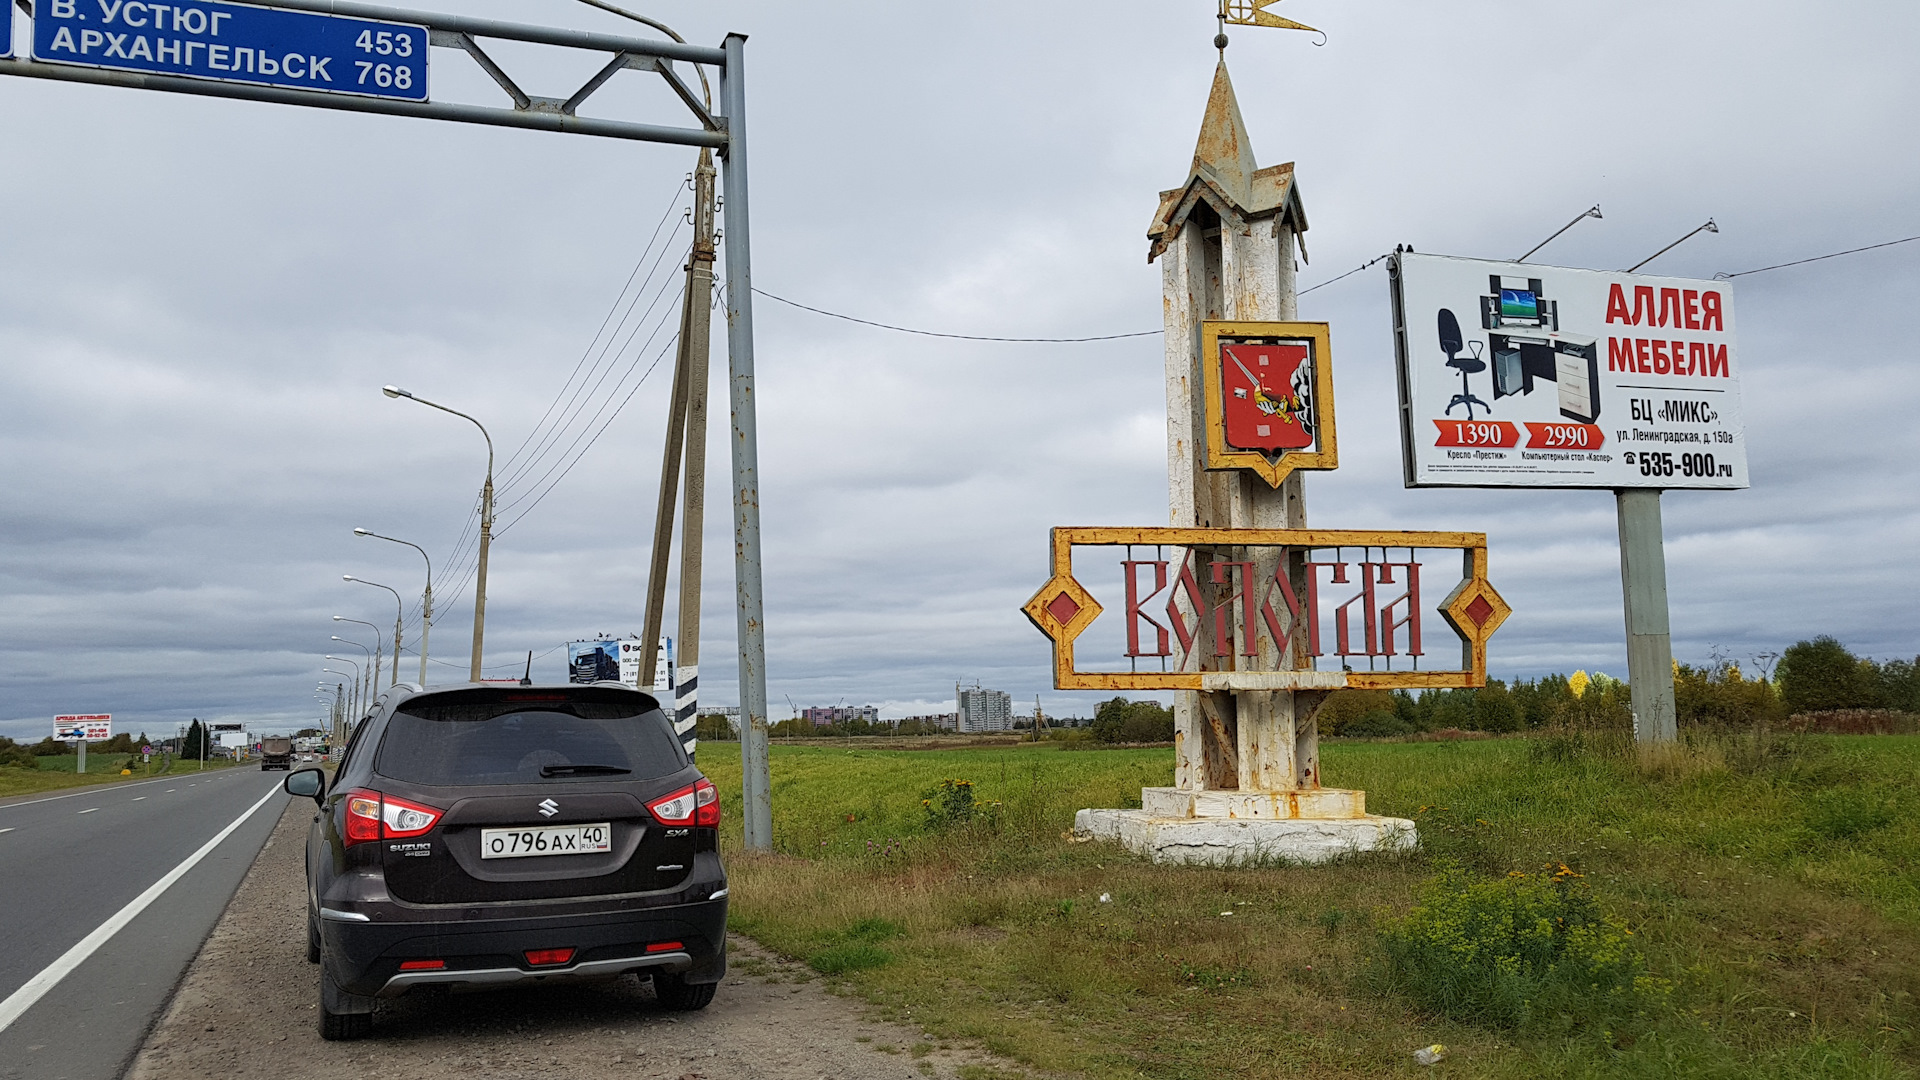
[550, 771]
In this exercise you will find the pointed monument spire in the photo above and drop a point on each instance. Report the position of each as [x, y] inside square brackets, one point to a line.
[1225, 175]
[1223, 152]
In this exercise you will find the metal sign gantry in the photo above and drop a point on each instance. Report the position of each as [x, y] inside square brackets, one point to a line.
[334, 54]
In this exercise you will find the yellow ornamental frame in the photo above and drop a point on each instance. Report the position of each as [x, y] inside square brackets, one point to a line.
[1063, 609]
[1219, 454]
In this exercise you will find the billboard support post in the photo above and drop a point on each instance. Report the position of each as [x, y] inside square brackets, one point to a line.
[1643, 582]
[83, 756]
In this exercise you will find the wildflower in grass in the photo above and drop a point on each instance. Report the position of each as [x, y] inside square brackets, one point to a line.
[1517, 951]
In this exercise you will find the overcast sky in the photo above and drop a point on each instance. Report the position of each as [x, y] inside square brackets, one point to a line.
[200, 299]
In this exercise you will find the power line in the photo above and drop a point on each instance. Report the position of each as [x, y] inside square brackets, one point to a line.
[671, 342]
[959, 337]
[639, 354]
[573, 405]
[1817, 258]
[1346, 275]
[672, 205]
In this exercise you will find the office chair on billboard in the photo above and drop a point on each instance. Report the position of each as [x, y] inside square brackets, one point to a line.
[1450, 343]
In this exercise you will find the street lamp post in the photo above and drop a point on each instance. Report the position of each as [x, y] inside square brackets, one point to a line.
[358, 696]
[339, 693]
[486, 526]
[375, 684]
[355, 700]
[399, 611]
[426, 597]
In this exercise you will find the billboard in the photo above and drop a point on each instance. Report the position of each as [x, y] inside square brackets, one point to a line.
[92, 728]
[1516, 375]
[593, 661]
[619, 661]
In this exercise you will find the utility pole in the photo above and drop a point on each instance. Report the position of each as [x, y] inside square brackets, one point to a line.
[686, 436]
[694, 516]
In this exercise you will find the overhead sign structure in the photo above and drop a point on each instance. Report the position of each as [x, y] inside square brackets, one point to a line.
[109, 43]
[1266, 609]
[1516, 375]
[236, 43]
[1269, 397]
[83, 728]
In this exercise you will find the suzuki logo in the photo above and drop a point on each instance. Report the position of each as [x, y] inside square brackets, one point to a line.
[548, 807]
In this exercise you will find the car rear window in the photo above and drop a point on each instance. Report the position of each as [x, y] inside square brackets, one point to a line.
[504, 742]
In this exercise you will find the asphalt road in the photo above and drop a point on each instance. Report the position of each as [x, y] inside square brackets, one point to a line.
[69, 863]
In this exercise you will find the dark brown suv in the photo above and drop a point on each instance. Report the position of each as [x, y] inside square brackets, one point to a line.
[481, 836]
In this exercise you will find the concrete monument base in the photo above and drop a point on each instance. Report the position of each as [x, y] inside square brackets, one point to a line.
[1240, 828]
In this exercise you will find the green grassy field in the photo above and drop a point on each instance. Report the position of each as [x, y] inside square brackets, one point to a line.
[56, 771]
[1775, 890]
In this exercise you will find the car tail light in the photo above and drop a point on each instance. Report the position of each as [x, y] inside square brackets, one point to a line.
[664, 946]
[696, 805]
[422, 965]
[373, 816]
[548, 957]
[363, 817]
[403, 818]
[706, 805]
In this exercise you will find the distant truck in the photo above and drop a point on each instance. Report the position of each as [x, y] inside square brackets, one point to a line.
[276, 752]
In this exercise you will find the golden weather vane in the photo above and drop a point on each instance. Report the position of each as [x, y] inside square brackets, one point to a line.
[1255, 13]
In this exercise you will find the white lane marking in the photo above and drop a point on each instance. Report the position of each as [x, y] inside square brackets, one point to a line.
[7, 829]
[18, 1002]
[89, 811]
[140, 799]
[170, 791]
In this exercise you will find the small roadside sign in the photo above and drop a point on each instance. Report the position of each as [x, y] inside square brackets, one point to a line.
[83, 728]
[236, 43]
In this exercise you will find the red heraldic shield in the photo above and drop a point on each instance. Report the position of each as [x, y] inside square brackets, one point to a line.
[1267, 399]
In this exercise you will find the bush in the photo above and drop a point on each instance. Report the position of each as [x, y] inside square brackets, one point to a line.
[1123, 721]
[1523, 952]
[13, 755]
[1344, 707]
[1718, 695]
[48, 748]
[1821, 674]
[951, 802]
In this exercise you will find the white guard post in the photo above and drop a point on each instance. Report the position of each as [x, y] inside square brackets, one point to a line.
[1247, 771]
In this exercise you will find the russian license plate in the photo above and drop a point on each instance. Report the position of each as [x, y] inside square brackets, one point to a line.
[545, 840]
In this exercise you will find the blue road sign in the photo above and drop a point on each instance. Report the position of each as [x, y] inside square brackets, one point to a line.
[6, 34]
[236, 43]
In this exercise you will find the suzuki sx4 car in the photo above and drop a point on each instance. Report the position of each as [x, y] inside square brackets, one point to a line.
[484, 836]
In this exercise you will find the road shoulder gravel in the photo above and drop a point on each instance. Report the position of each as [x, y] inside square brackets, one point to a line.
[246, 1009]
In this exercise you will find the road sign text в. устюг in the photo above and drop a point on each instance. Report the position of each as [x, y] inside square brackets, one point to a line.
[236, 43]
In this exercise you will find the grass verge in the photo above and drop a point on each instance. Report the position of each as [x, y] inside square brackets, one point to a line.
[1775, 896]
[56, 772]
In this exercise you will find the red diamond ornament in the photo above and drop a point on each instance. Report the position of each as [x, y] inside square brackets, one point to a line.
[1063, 609]
[1479, 611]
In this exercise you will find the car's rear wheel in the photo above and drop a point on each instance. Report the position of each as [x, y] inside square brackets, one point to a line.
[681, 996]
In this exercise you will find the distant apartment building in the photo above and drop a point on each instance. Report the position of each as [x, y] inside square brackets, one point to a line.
[841, 714]
[983, 710]
[945, 721]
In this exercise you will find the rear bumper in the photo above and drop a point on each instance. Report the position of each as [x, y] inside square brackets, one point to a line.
[364, 957]
[676, 963]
